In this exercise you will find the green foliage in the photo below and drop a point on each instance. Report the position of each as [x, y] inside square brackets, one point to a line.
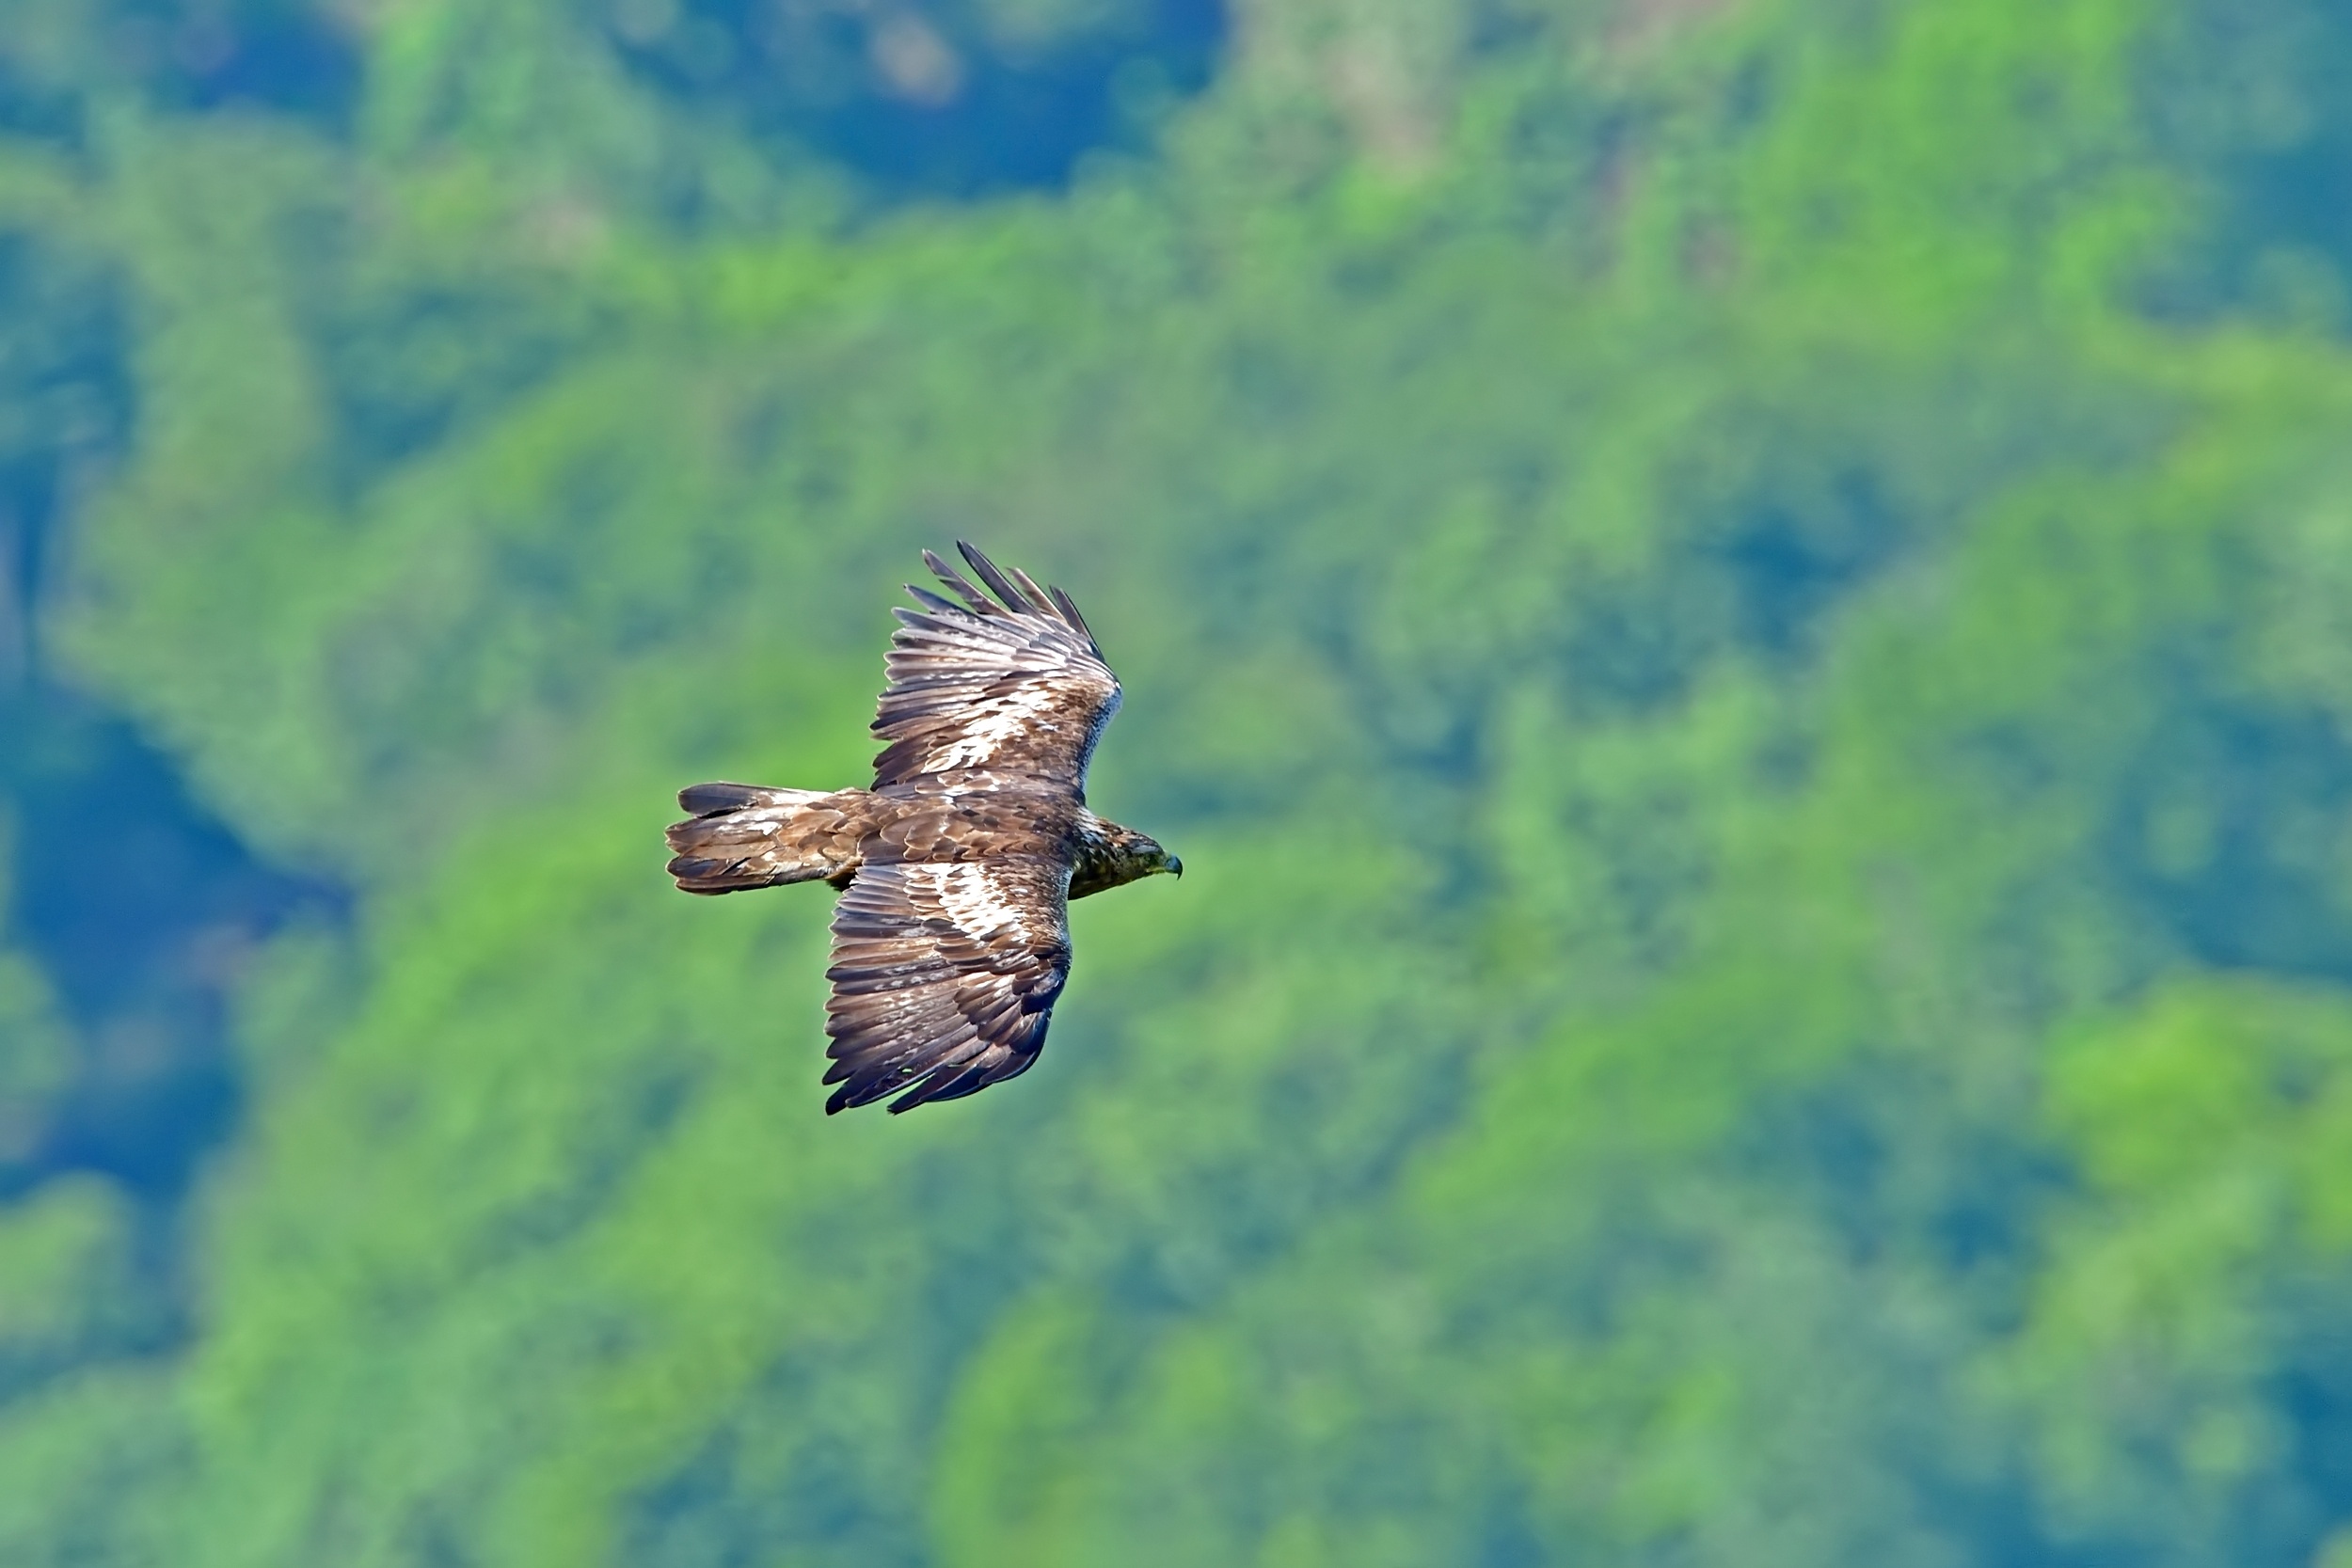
[35, 1059]
[1736, 612]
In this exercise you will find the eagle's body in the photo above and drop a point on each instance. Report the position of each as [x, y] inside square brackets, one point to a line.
[805, 835]
[951, 939]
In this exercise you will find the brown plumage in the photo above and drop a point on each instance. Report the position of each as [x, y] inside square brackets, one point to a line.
[951, 940]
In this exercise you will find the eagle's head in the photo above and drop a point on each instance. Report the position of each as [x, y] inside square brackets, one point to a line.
[1113, 855]
[1152, 860]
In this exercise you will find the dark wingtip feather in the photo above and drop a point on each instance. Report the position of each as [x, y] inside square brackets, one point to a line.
[1020, 592]
[955, 580]
[936, 1084]
[992, 575]
[1069, 609]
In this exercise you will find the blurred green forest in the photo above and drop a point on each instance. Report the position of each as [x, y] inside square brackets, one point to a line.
[1741, 610]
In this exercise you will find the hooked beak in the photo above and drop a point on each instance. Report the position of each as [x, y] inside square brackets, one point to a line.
[1177, 867]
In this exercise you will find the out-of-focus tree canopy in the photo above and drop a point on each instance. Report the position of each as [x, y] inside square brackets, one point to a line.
[1737, 607]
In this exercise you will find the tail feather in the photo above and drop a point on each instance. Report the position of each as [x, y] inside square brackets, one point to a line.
[744, 836]
[704, 800]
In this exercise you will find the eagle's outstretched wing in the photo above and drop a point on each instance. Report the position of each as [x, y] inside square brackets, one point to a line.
[944, 976]
[1016, 687]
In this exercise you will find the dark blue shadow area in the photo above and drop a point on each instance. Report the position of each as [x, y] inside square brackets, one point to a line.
[139, 905]
[2214, 827]
[135, 902]
[405, 368]
[2315, 1392]
[927, 102]
[918, 99]
[293, 57]
[1789, 565]
[2274, 162]
[1762, 577]
[290, 62]
[33, 105]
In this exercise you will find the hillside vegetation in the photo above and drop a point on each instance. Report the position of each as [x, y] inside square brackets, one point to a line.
[1739, 611]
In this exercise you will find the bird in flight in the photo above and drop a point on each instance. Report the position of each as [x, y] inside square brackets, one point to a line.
[951, 940]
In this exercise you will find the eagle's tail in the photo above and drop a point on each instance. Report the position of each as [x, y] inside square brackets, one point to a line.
[743, 836]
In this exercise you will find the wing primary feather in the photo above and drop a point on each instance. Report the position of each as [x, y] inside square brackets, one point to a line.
[1069, 609]
[1015, 680]
[945, 1082]
[933, 602]
[955, 580]
[1039, 602]
[991, 574]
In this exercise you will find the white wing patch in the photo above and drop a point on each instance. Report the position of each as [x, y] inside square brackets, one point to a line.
[993, 723]
[970, 896]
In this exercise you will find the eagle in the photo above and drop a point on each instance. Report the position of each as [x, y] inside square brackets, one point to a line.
[952, 938]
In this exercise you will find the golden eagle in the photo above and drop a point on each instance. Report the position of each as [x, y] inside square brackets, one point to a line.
[952, 936]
